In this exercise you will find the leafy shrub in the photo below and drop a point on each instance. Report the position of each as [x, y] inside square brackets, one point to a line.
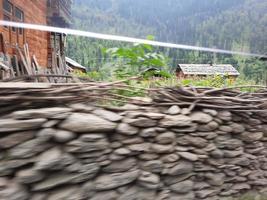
[132, 61]
[92, 75]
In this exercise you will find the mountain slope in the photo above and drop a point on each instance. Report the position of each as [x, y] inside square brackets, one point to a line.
[239, 24]
[226, 24]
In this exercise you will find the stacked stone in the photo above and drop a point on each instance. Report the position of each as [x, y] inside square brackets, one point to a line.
[82, 152]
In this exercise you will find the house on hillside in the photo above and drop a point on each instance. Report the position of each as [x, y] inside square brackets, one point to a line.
[263, 58]
[203, 70]
[47, 47]
[74, 66]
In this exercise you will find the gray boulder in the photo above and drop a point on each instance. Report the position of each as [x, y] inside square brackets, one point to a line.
[201, 117]
[15, 139]
[40, 113]
[183, 167]
[108, 115]
[11, 125]
[120, 166]
[126, 129]
[175, 121]
[115, 180]
[85, 123]
[148, 180]
[182, 187]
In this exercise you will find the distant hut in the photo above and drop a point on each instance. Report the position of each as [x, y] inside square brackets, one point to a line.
[263, 58]
[203, 70]
[155, 73]
[74, 66]
[151, 72]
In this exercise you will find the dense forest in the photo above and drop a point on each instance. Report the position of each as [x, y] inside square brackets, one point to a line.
[239, 25]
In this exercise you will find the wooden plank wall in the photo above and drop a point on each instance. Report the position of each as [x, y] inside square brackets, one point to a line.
[35, 53]
[38, 41]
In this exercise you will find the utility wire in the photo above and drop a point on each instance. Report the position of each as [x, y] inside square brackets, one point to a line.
[124, 39]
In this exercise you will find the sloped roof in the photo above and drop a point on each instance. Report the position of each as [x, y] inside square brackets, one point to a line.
[206, 69]
[264, 58]
[74, 63]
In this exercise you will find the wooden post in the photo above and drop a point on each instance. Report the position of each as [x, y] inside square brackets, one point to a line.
[18, 73]
[264, 59]
[11, 70]
[5, 71]
[27, 69]
[2, 43]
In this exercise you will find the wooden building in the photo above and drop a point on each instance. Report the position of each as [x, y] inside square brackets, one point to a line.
[46, 46]
[203, 70]
[74, 66]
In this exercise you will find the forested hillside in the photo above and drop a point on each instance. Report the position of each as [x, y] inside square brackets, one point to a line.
[227, 24]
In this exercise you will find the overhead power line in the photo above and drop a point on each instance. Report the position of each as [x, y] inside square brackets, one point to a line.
[124, 39]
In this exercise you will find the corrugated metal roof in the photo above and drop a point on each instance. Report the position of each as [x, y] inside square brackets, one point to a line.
[205, 69]
[74, 63]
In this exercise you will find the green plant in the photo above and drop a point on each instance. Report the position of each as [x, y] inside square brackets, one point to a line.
[216, 81]
[93, 75]
[135, 60]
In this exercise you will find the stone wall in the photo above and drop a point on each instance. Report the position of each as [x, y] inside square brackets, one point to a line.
[132, 153]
